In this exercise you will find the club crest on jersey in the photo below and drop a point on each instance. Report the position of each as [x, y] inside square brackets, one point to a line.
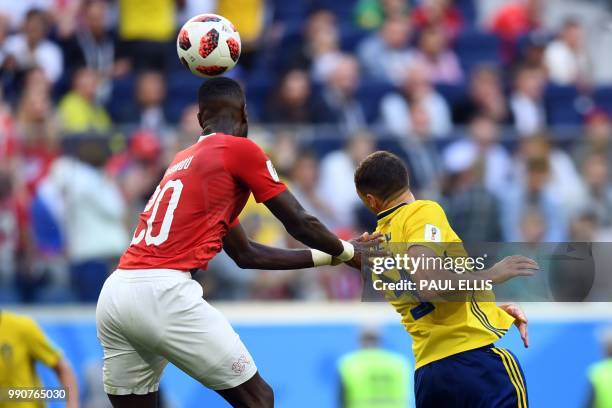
[432, 233]
[272, 171]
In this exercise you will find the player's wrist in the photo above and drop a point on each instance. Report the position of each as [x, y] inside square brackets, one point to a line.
[320, 258]
[348, 251]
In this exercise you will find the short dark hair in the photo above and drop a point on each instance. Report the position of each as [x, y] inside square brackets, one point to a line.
[215, 90]
[382, 174]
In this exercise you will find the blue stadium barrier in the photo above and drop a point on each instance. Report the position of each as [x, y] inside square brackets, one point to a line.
[299, 359]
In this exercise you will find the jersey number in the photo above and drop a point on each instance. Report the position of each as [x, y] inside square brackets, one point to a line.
[147, 234]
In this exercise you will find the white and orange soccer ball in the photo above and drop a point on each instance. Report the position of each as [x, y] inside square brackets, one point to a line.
[208, 45]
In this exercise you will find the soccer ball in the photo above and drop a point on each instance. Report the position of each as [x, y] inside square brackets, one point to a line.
[208, 45]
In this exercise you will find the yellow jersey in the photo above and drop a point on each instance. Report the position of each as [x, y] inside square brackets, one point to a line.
[22, 343]
[439, 329]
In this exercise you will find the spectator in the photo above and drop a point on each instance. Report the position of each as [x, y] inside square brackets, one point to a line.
[433, 53]
[324, 52]
[147, 110]
[471, 209]
[78, 110]
[517, 18]
[336, 177]
[597, 139]
[137, 170]
[37, 133]
[442, 13]
[486, 97]
[535, 194]
[318, 41]
[417, 88]
[596, 174]
[93, 45]
[338, 104]
[526, 102]
[4, 30]
[30, 48]
[304, 178]
[385, 54]
[421, 155]
[290, 101]
[371, 14]
[494, 159]
[13, 231]
[146, 32]
[563, 179]
[566, 58]
[95, 228]
[249, 18]
[584, 228]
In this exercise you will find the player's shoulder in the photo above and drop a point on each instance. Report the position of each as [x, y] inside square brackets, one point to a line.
[424, 209]
[17, 322]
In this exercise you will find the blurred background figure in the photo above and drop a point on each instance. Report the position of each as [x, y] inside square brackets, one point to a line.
[416, 89]
[390, 44]
[30, 48]
[339, 105]
[373, 376]
[526, 102]
[95, 216]
[600, 375]
[22, 343]
[567, 59]
[79, 110]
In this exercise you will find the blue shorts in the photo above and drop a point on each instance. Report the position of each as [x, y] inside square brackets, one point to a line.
[485, 377]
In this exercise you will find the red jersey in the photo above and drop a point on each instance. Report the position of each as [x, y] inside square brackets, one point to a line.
[197, 201]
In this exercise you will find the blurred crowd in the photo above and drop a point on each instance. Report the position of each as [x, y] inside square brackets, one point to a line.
[500, 118]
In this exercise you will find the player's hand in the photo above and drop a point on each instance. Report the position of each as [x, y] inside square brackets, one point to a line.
[520, 320]
[363, 243]
[511, 267]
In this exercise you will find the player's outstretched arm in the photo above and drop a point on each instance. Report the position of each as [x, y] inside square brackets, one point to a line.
[506, 269]
[67, 378]
[252, 255]
[304, 227]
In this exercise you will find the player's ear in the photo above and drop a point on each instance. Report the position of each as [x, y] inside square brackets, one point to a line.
[372, 202]
[200, 119]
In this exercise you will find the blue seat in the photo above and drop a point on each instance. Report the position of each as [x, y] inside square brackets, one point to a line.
[122, 96]
[476, 47]
[560, 103]
[350, 38]
[603, 98]
[453, 94]
[182, 90]
[289, 10]
[370, 94]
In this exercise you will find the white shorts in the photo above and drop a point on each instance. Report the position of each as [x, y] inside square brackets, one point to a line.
[147, 318]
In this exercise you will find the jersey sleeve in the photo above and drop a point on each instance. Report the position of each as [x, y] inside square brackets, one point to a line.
[39, 345]
[247, 162]
[428, 228]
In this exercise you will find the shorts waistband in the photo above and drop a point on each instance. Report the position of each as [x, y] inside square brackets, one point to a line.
[147, 274]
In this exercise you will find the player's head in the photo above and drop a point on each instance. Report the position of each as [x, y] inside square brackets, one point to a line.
[222, 107]
[380, 178]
